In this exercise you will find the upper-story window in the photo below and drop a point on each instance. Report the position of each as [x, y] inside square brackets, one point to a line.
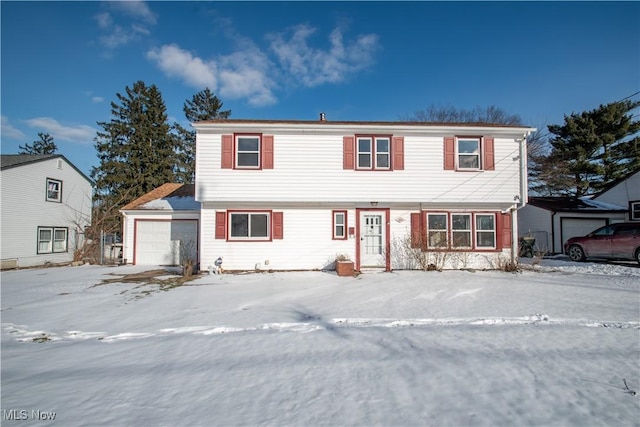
[247, 151]
[373, 152]
[54, 190]
[469, 153]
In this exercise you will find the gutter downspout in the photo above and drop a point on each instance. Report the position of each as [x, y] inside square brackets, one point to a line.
[520, 199]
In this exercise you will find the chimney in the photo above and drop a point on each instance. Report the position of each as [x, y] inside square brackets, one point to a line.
[323, 118]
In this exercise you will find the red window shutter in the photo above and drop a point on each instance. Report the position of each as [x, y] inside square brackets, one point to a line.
[221, 225]
[278, 226]
[398, 153]
[348, 152]
[227, 152]
[449, 153]
[503, 228]
[489, 155]
[267, 152]
[416, 230]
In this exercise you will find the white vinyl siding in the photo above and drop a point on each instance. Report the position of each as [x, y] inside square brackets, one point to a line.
[25, 208]
[296, 177]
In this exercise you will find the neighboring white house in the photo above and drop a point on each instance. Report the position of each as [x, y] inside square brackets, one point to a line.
[46, 205]
[287, 195]
[161, 227]
[553, 220]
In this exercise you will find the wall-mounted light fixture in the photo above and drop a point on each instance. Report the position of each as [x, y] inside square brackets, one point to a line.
[373, 203]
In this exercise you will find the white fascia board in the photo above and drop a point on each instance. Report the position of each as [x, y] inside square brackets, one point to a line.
[364, 128]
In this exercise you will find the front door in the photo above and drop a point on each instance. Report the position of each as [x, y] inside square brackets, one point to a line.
[372, 239]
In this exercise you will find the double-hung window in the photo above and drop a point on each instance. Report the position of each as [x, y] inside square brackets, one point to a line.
[339, 225]
[248, 152]
[249, 226]
[468, 153]
[437, 230]
[54, 190]
[461, 230]
[485, 231]
[52, 240]
[374, 152]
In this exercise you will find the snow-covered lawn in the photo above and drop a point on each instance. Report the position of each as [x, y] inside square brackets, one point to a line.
[554, 346]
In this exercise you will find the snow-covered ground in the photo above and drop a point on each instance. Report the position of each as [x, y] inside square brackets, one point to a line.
[552, 345]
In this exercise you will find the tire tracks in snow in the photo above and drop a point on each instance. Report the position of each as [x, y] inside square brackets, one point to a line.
[22, 333]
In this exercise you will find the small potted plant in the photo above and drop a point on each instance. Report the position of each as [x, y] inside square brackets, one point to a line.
[344, 265]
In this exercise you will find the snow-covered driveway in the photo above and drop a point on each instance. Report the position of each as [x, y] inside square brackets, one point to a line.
[555, 346]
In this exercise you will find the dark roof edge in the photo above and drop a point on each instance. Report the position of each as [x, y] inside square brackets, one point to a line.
[46, 157]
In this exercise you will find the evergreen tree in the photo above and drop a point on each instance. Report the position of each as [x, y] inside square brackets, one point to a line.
[204, 105]
[45, 145]
[590, 150]
[137, 150]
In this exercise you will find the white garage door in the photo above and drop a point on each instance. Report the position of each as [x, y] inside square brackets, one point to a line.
[577, 227]
[164, 242]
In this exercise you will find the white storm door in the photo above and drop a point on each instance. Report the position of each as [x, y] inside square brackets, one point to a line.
[372, 239]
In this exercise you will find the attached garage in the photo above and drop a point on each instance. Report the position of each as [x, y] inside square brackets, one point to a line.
[162, 226]
[165, 242]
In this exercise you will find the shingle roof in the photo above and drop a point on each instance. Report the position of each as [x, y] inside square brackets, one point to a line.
[383, 123]
[8, 161]
[572, 204]
[11, 160]
[165, 191]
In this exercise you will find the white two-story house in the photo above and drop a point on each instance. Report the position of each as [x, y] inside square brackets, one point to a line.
[45, 206]
[287, 195]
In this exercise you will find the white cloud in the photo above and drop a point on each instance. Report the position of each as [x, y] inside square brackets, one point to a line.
[97, 99]
[121, 33]
[313, 66]
[242, 74]
[81, 133]
[7, 130]
[135, 9]
[177, 62]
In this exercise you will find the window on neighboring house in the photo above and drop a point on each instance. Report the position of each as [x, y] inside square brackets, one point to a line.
[461, 230]
[248, 152]
[249, 226]
[54, 190]
[437, 230]
[468, 153]
[485, 231]
[373, 152]
[52, 240]
[339, 225]
[635, 211]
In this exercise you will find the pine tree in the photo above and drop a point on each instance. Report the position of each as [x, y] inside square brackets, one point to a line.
[204, 105]
[45, 145]
[590, 150]
[136, 149]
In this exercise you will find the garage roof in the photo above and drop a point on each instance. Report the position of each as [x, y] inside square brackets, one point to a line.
[169, 196]
[572, 204]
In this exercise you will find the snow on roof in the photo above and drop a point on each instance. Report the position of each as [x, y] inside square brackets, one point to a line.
[169, 196]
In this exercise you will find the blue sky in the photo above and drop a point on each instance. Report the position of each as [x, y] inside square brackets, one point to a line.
[64, 62]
